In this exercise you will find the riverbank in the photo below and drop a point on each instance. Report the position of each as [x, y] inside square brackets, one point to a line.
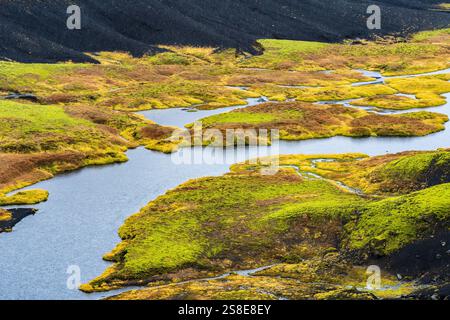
[9, 218]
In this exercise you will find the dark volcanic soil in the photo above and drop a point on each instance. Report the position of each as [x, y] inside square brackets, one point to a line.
[17, 216]
[426, 261]
[35, 31]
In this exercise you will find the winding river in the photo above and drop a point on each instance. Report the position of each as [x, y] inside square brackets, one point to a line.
[79, 222]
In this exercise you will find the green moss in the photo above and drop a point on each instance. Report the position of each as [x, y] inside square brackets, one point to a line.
[283, 54]
[389, 174]
[237, 117]
[393, 102]
[24, 197]
[386, 226]
[33, 128]
[427, 35]
[416, 167]
[195, 224]
[301, 121]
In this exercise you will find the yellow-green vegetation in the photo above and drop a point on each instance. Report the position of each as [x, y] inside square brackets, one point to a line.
[24, 197]
[394, 102]
[306, 226]
[427, 91]
[271, 285]
[39, 141]
[257, 219]
[187, 76]
[386, 226]
[285, 54]
[425, 52]
[432, 35]
[385, 175]
[302, 228]
[300, 121]
[5, 215]
[328, 93]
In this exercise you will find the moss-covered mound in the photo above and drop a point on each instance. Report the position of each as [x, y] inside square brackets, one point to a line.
[389, 174]
[299, 121]
[300, 227]
[384, 227]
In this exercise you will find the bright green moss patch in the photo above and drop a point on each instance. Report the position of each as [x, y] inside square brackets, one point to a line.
[296, 225]
[390, 174]
[33, 128]
[386, 226]
[25, 197]
[224, 222]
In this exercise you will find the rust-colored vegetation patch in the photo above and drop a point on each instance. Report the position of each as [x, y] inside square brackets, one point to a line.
[299, 121]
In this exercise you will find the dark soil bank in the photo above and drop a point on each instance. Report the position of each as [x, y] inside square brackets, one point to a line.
[17, 216]
[428, 262]
[35, 31]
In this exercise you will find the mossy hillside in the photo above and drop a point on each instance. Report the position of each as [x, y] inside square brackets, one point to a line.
[390, 174]
[216, 224]
[301, 121]
[189, 76]
[245, 220]
[392, 57]
[39, 141]
[30, 128]
[386, 226]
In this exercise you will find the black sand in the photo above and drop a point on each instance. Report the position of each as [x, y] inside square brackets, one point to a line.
[35, 31]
